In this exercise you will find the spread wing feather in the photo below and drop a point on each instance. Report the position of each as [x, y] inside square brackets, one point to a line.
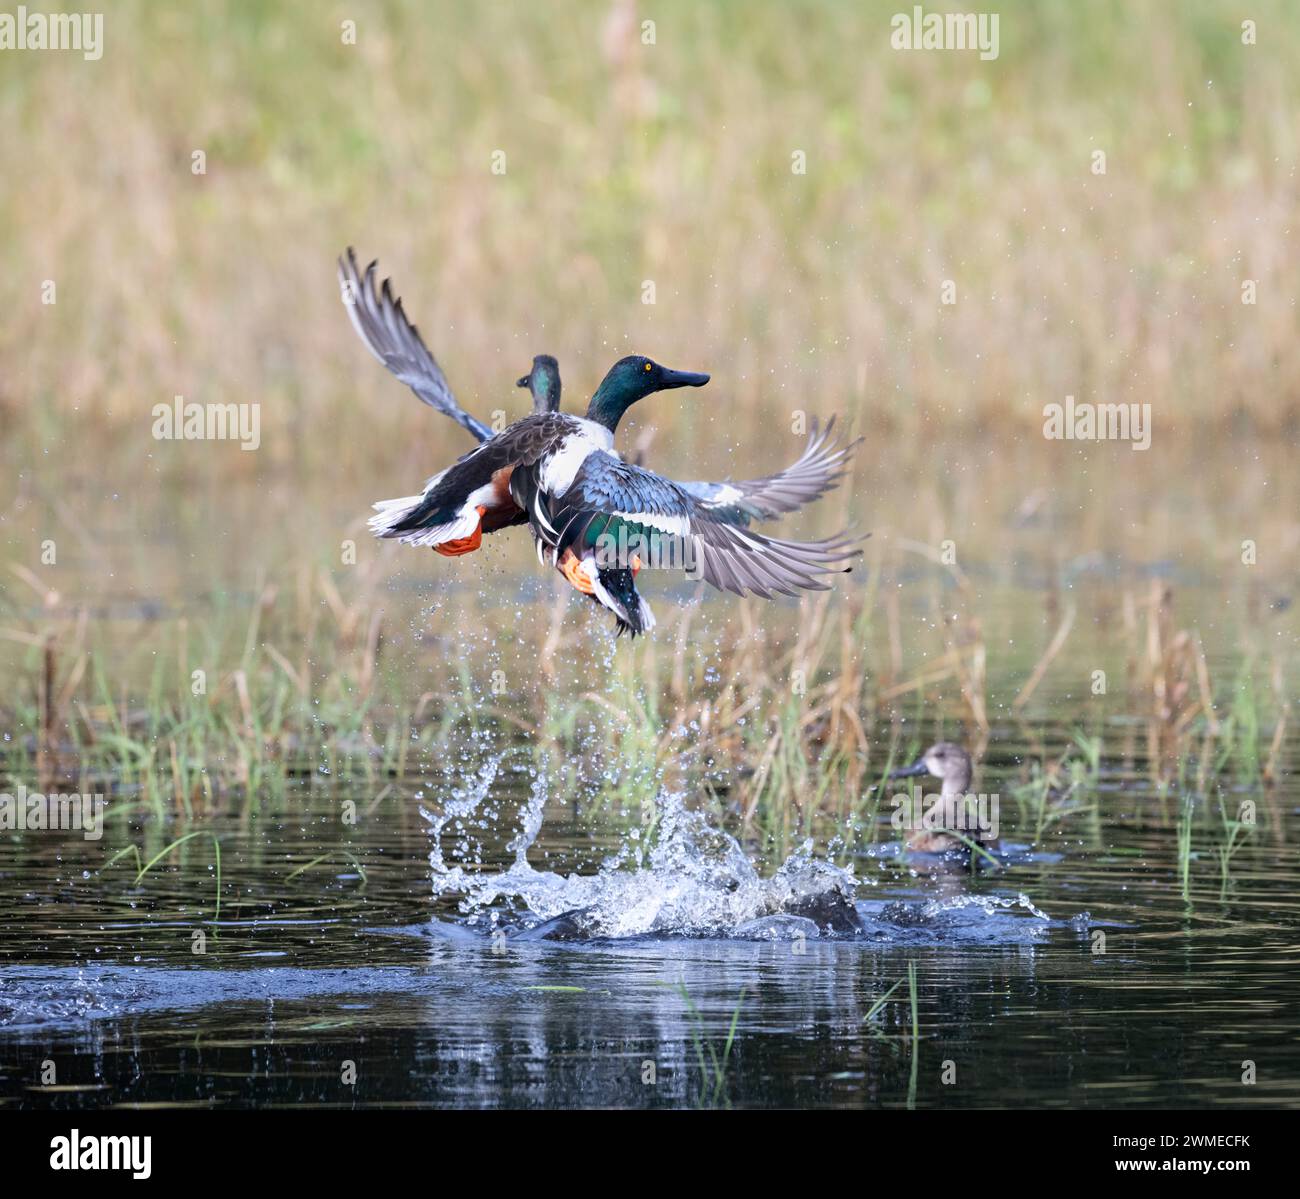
[616, 501]
[818, 470]
[382, 325]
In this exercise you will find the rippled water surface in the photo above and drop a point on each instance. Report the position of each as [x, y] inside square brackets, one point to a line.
[547, 958]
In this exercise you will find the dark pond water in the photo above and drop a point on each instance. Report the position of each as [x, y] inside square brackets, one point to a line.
[1074, 974]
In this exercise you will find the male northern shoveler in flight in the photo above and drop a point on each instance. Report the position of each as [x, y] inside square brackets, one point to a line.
[816, 471]
[595, 517]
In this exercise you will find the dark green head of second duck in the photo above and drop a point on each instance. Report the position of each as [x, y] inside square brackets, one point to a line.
[544, 383]
[631, 379]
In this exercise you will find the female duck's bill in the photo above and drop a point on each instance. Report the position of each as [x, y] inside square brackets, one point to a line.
[944, 760]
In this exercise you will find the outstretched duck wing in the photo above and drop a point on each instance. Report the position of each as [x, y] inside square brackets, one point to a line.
[380, 323]
[818, 470]
[611, 502]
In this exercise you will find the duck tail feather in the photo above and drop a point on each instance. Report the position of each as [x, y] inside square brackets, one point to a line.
[389, 514]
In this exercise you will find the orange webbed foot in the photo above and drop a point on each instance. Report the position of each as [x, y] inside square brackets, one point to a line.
[464, 545]
[571, 568]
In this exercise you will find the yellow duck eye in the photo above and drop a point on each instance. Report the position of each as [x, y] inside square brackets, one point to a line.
[647, 366]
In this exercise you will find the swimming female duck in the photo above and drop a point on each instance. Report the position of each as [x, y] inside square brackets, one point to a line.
[952, 764]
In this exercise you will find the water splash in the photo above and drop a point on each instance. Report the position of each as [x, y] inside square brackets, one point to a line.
[463, 803]
[682, 877]
[988, 904]
[964, 917]
[531, 815]
[692, 880]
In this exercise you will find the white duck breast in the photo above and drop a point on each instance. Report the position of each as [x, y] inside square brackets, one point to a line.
[560, 468]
